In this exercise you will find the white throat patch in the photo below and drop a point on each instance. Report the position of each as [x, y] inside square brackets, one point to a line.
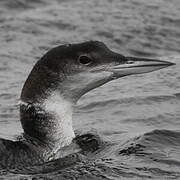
[61, 110]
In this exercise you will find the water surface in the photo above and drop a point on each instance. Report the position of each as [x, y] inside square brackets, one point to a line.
[138, 115]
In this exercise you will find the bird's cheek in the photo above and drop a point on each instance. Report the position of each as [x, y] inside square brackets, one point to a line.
[79, 84]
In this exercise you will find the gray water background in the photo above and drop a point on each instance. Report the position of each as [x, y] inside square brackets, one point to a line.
[141, 110]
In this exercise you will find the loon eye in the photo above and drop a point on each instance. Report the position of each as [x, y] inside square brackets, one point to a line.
[84, 60]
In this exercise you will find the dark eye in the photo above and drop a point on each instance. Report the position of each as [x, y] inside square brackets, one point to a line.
[84, 60]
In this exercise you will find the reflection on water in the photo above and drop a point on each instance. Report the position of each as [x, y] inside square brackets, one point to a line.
[138, 116]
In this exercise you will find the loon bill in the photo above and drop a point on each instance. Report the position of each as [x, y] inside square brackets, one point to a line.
[54, 85]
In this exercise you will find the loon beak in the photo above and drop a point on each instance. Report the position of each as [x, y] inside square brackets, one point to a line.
[134, 65]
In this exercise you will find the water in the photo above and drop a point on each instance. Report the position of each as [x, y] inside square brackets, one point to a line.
[139, 116]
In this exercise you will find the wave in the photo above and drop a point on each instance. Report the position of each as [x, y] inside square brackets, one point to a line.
[130, 100]
[159, 145]
[21, 4]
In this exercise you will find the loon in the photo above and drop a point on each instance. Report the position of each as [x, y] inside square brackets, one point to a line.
[55, 84]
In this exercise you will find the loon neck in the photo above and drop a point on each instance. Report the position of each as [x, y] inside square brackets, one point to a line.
[49, 121]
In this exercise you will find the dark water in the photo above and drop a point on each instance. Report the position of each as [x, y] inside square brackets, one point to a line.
[139, 116]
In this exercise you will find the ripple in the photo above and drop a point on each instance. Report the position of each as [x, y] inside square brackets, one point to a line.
[21, 4]
[160, 146]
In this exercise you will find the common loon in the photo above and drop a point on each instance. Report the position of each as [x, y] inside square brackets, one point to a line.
[55, 84]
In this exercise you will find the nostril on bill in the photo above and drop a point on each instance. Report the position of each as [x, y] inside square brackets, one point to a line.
[130, 62]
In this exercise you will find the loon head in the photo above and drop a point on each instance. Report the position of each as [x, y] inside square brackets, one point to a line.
[75, 69]
[62, 76]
